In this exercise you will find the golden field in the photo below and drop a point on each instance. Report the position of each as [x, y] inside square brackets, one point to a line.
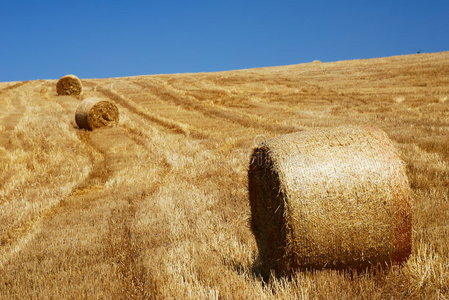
[157, 208]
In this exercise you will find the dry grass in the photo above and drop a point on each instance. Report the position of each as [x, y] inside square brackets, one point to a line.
[157, 208]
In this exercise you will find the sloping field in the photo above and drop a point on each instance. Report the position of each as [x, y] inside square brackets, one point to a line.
[158, 208]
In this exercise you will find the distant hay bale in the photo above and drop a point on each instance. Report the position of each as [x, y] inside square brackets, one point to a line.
[69, 85]
[94, 113]
[329, 198]
[316, 61]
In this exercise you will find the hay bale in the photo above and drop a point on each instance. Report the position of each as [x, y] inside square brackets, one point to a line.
[69, 85]
[94, 113]
[329, 198]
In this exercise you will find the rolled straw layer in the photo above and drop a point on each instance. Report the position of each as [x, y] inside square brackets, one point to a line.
[95, 113]
[335, 198]
[69, 85]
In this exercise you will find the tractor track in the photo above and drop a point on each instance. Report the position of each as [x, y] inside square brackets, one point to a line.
[214, 111]
[13, 117]
[14, 86]
[89, 189]
[29, 230]
[171, 125]
[92, 184]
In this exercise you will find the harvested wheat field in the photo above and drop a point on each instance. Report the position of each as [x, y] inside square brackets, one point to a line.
[157, 207]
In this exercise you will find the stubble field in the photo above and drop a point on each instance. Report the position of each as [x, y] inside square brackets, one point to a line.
[157, 208]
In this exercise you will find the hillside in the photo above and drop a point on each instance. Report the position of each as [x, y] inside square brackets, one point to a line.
[157, 207]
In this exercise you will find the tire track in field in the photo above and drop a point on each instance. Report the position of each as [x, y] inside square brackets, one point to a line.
[10, 120]
[99, 174]
[13, 117]
[130, 251]
[326, 94]
[13, 86]
[126, 254]
[171, 125]
[214, 111]
[33, 227]
[127, 249]
[7, 124]
[91, 185]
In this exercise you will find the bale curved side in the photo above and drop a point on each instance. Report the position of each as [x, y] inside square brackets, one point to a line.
[69, 85]
[336, 198]
[94, 113]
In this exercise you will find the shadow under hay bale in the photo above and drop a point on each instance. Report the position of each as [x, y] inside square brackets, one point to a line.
[69, 85]
[329, 198]
[94, 113]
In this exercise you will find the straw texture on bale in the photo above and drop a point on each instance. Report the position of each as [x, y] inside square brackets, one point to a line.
[329, 198]
[69, 85]
[95, 113]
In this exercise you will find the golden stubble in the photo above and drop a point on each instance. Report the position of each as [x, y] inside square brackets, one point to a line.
[157, 208]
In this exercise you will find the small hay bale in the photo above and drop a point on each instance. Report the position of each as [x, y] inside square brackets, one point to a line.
[69, 85]
[94, 113]
[329, 198]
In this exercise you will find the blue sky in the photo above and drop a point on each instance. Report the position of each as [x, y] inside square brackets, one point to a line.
[47, 39]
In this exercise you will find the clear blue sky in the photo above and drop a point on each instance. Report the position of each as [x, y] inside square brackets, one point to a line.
[47, 39]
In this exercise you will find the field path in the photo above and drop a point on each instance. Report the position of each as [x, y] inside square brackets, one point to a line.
[174, 126]
[85, 209]
[13, 86]
[220, 113]
[15, 107]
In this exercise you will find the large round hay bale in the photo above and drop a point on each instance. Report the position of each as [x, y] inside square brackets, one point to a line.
[69, 85]
[329, 198]
[95, 113]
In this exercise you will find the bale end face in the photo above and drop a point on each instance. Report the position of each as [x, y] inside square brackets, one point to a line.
[268, 222]
[96, 113]
[335, 198]
[69, 85]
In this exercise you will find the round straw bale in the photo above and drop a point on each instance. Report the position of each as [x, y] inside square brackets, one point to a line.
[329, 198]
[94, 113]
[69, 85]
